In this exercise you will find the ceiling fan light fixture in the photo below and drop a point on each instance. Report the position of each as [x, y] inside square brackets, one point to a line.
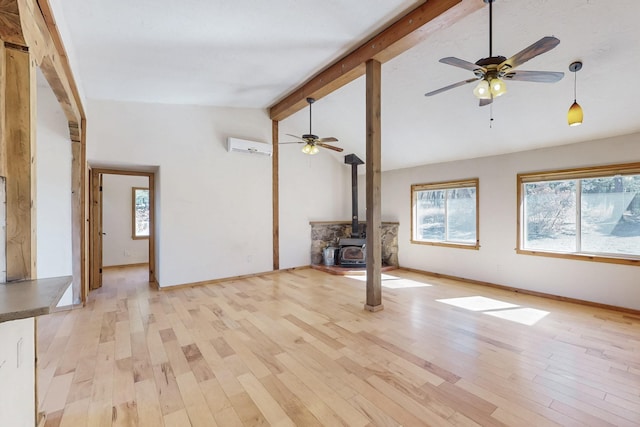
[310, 149]
[482, 90]
[306, 149]
[498, 87]
[490, 71]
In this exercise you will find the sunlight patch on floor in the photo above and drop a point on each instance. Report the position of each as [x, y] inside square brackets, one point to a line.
[393, 282]
[478, 303]
[500, 309]
[526, 316]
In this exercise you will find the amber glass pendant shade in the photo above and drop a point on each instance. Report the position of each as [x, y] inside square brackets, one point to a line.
[574, 116]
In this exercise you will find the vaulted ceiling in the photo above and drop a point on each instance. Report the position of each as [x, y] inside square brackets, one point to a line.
[251, 53]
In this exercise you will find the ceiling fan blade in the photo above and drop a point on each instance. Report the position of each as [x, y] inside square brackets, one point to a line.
[484, 102]
[328, 139]
[543, 45]
[461, 63]
[330, 147]
[296, 137]
[534, 76]
[442, 89]
[291, 142]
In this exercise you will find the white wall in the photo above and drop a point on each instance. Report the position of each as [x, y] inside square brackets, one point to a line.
[69, 48]
[118, 248]
[312, 188]
[66, 300]
[213, 217]
[496, 261]
[53, 192]
[214, 207]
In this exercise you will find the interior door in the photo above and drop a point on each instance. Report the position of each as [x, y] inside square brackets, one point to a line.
[96, 230]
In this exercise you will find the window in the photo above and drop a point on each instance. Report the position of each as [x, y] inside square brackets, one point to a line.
[445, 213]
[140, 203]
[591, 214]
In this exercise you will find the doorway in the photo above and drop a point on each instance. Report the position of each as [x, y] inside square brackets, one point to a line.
[141, 230]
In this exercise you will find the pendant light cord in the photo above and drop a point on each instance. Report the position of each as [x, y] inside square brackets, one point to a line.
[575, 80]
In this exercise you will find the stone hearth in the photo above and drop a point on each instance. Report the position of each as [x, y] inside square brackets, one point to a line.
[327, 233]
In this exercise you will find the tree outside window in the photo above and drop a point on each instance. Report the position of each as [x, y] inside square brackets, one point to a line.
[594, 214]
[140, 204]
[445, 213]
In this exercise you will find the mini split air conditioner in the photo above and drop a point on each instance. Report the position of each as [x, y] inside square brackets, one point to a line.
[251, 147]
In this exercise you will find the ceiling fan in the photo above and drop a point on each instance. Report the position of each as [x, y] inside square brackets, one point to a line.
[311, 141]
[491, 72]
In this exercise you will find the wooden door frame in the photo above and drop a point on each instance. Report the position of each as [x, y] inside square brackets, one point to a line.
[95, 226]
[93, 230]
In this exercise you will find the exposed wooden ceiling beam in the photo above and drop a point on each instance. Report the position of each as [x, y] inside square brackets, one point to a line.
[10, 27]
[30, 23]
[406, 32]
[47, 14]
[53, 63]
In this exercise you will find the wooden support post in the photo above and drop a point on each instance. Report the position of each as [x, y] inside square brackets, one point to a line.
[76, 219]
[3, 128]
[3, 164]
[19, 141]
[275, 184]
[374, 237]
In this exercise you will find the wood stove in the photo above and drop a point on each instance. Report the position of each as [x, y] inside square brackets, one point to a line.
[352, 252]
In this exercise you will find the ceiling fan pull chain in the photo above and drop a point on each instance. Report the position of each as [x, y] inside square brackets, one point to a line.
[491, 116]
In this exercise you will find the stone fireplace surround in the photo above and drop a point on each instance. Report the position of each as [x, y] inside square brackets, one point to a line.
[327, 233]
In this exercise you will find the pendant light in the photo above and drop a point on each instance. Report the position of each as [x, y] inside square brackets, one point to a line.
[574, 116]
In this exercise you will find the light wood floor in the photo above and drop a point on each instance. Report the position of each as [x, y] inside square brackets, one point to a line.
[297, 348]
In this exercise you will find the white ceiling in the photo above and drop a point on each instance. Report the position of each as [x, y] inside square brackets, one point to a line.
[232, 53]
[250, 53]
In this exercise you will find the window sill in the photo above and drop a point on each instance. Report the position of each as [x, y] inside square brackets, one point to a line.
[581, 257]
[447, 244]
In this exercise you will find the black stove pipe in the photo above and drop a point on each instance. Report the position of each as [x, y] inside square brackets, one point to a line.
[354, 161]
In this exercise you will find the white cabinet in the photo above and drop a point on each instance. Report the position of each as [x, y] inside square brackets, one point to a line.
[17, 373]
